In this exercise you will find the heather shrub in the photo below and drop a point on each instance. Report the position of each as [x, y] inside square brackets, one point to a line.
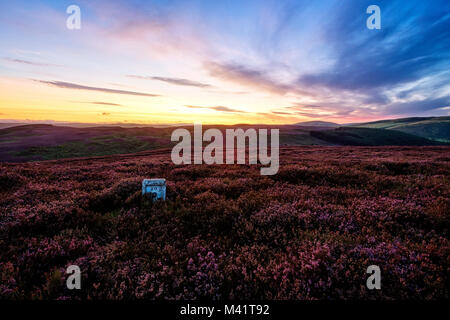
[226, 232]
[115, 195]
[191, 172]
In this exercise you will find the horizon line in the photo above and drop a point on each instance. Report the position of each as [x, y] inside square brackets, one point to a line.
[134, 124]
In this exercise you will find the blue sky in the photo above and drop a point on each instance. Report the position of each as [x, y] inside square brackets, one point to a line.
[224, 61]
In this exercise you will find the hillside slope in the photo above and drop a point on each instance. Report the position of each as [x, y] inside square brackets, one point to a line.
[352, 136]
[317, 124]
[48, 142]
[435, 128]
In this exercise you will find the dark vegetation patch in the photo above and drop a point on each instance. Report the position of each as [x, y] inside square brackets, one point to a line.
[351, 136]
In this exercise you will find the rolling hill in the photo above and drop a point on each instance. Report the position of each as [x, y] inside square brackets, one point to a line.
[48, 142]
[353, 136]
[434, 128]
[318, 124]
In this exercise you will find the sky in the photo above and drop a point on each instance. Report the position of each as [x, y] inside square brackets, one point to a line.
[223, 62]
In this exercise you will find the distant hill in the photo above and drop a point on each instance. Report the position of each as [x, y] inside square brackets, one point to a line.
[48, 142]
[389, 123]
[9, 125]
[318, 124]
[353, 136]
[434, 128]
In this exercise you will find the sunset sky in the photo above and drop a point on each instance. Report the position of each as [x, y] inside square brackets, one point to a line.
[161, 62]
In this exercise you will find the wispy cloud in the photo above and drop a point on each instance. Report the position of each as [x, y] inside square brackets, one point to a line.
[419, 106]
[99, 103]
[217, 108]
[32, 63]
[105, 103]
[250, 77]
[69, 85]
[281, 112]
[326, 111]
[175, 81]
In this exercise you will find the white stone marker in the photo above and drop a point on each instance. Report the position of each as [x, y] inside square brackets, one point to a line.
[156, 188]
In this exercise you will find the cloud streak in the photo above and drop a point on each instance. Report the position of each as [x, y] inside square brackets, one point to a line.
[175, 81]
[105, 103]
[32, 63]
[69, 85]
[217, 108]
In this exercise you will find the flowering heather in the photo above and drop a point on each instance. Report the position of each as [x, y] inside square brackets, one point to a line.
[226, 232]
